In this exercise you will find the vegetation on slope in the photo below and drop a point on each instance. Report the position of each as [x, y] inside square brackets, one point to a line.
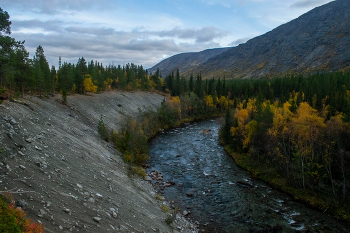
[12, 219]
[298, 144]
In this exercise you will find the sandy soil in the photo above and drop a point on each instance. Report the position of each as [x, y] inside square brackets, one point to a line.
[65, 176]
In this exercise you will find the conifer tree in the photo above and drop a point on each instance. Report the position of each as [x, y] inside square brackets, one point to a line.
[191, 83]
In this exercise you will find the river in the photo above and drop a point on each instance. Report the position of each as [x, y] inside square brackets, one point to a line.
[205, 181]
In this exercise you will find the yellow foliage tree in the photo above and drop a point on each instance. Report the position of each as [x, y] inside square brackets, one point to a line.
[249, 132]
[108, 83]
[175, 103]
[89, 85]
[307, 129]
[209, 101]
[223, 102]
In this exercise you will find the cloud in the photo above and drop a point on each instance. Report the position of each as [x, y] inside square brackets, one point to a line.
[72, 40]
[142, 32]
[204, 34]
[91, 30]
[55, 6]
[239, 41]
[49, 25]
[309, 3]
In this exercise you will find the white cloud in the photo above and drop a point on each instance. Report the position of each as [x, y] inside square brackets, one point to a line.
[112, 30]
[309, 3]
[239, 41]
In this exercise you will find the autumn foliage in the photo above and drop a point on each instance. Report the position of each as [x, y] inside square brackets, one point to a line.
[14, 220]
[89, 85]
[296, 143]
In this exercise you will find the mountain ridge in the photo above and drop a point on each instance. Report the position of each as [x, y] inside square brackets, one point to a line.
[186, 60]
[314, 42]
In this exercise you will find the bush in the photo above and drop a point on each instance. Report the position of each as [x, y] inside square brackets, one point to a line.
[103, 130]
[166, 209]
[12, 220]
[139, 171]
[132, 142]
[64, 96]
[169, 219]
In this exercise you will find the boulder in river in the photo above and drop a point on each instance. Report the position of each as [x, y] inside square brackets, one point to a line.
[243, 182]
[189, 194]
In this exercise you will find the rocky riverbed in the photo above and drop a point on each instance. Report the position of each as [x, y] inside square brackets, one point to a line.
[192, 170]
[64, 176]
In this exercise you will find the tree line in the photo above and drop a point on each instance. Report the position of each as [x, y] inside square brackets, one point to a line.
[293, 132]
[290, 127]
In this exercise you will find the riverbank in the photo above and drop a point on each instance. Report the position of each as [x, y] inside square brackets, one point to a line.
[311, 199]
[195, 174]
[65, 176]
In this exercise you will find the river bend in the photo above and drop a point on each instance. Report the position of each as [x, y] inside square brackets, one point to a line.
[201, 178]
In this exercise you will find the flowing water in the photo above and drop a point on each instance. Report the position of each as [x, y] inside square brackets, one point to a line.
[221, 196]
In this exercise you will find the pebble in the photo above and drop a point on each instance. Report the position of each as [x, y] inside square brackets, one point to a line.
[97, 219]
[67, 210]
[42, 212]
[21, 203]
[20, 153]
[189, 194]
[29, 140]
[80, 186]
[122, 228]
[38, 148]
[147, 178]
[23, 167]
[13, 122]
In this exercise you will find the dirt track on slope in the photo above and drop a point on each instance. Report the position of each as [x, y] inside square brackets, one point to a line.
[69, 179]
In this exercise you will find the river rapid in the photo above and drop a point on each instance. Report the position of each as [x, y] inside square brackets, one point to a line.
[202, 179]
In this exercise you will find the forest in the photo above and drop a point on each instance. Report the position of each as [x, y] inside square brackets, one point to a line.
[291, 130]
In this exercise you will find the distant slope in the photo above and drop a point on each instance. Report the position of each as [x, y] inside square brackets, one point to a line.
[316, 41]
[185, 61]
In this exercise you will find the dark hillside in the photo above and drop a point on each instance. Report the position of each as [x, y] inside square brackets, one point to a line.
[316, 41]
[185, 61]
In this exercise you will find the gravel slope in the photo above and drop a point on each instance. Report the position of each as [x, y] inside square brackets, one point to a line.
[65, 176]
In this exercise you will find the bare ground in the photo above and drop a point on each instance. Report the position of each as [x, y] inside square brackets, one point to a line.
[62, 173]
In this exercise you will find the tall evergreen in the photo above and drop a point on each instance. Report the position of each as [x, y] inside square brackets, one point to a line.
[191, 85]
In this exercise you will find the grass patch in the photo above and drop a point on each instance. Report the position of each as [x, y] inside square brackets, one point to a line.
[139, 171]
[166, 209]
[159, 197]
[169, 219]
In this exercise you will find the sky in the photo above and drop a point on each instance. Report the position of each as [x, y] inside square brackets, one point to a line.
[143, 32]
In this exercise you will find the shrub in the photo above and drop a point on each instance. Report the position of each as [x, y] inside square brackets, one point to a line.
[166, 209]
[139, 171]
[103, 130]
[169, 219]
[132, 142]
[64, 96]
[12, 220]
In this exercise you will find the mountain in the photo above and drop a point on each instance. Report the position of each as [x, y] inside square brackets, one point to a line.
[317, 41]
[185, 61]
